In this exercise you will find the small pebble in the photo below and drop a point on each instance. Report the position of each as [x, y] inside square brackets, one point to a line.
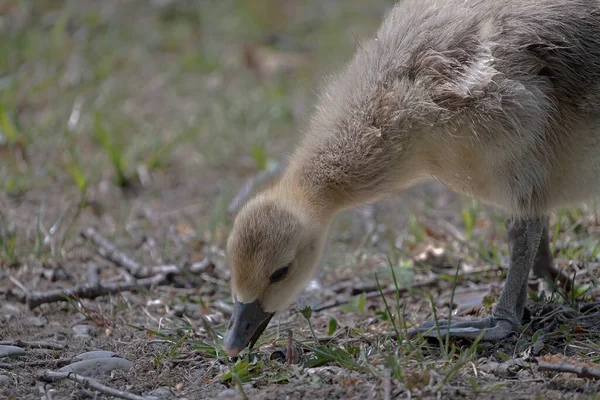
[11, 351]
[33, 321]
[156, 306]
[82, 331]
[90, 355]
[179, 310]
[6, 318]
[162, 393]
[11, 309]
[248, 387]
[98, 367]
[228, 394]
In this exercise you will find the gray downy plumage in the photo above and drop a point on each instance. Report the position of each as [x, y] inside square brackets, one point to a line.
[496, 99]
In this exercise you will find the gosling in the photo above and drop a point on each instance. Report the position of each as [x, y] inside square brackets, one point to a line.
[495, 99]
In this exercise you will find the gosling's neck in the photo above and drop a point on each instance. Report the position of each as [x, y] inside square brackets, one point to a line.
[303, 198]
[327, 181]
[319, 193]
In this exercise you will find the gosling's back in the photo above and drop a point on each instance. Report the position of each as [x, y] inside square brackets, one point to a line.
[496, 99]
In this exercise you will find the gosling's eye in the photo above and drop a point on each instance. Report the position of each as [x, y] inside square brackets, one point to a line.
[279, 274]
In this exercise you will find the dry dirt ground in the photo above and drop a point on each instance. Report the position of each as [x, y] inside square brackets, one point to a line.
[139, 121]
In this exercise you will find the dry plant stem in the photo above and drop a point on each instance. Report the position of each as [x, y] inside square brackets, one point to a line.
[17, 283]
[111, 253]
[107, 250]
[147, 276]
[35, 299]
[32, 344]
[289, 354]
[93, 278]
[44, 393]
[57, 362]
[13, 294]
[196, 268]
[387, 386]
[581, 371]
[53, 376]
[377, 293]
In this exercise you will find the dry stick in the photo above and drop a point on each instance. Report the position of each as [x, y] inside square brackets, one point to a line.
[289, 354]
[149, 276]
[372, 291]
[53, 376]
[387, 385]
[581, 371]
[375, 294]
[13, 294]
[32, 344]
[44, 393]
[17, 283]
[57, 362]
[196, 268]
[110, 252]
[86, 291]
[93, 278]
[361, 287]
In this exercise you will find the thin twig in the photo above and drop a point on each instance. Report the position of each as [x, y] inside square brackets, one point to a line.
[93, 278]
[32, 344]
[583, 371]
[13, 294]
[57, 362]
[54, 376]
[387, 385]
[17, 283]
[378, 293]
[148, 276]
[45, 394]
[109, 251]
[91, 292]
[196, 268]
[289, 354]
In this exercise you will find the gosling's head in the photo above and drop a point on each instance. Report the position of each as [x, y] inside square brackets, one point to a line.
[273, 250]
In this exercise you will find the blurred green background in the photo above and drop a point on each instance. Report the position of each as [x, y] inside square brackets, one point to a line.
[178, 102]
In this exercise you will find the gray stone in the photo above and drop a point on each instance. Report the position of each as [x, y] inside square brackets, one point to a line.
[97, 367]
[33, 321]
[11, 351]
[228, 394]
[82, 331]
[11, 309]
[90, 355]
[162, 393]
[4, 379]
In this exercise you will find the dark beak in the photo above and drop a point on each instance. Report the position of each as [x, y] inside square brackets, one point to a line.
[247, 323]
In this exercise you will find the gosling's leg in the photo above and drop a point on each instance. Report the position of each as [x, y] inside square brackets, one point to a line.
[543, 267]
[524, 237]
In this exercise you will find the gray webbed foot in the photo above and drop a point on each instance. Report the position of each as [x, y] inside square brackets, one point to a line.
[524, 236]
[489, 329]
